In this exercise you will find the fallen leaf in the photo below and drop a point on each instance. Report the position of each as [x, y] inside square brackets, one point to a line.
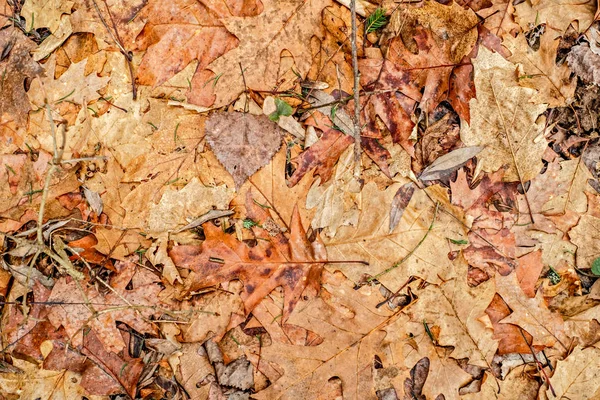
[585, 63]
[293, 263]
[125, 372]
[72, 86]
[576, 376]
[17, 65]
[45, 14]
[281, 26]
[399, 204]
[242, 142]
[443, 166]
[504, 121]
[545, 326]
[553, 82]
[370, 241]
[585, 236]
[38, 383]
[74, 315]
[178, 32]
[556, 14]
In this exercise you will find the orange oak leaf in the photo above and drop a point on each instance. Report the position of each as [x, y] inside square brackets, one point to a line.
[180, 31]
[289, 261]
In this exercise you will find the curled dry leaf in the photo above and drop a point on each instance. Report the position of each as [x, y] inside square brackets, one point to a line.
[448, 163]
[242, 142]
[291, 262]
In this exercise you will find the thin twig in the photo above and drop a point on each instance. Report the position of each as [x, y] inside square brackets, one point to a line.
[357, 145]
[117, 40]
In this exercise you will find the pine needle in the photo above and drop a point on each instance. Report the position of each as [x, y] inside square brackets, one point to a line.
[376, 20]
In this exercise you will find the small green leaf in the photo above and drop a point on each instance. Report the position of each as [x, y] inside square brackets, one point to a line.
[248, 223]
[596, 266]
[376, 20]
[283, 108]
[460, 241]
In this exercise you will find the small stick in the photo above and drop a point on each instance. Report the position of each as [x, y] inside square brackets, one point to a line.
[357, 144]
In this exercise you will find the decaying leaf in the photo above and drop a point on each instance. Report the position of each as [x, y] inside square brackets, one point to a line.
[585, 63]
[16, 65]
[504, 120]
[242, 142]
[291, 262]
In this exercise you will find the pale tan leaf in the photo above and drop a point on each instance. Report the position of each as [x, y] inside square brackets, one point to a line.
[540, 72]
[556, 14]
[371, 241]
[504, 121]
[577, 376]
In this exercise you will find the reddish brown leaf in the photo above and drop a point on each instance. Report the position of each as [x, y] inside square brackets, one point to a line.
[322, 155]
[509, 336]
[291, 262]
[180, 31]
[125, 372]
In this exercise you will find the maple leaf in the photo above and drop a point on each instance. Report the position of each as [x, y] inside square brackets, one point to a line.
[539, 70]
[16, 66]
[504, 121]
[242, 142]
[282, 25]
[291, 262]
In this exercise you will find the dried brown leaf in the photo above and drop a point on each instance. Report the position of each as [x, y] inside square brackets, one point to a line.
[243, 143]
[291, 262]
[504, 121]
[16, 65]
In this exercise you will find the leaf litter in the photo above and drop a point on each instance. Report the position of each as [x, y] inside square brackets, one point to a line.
[192, 207]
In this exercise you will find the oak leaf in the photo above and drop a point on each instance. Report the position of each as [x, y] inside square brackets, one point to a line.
[73, 85]
[504, 121]
[370, 239]
[242, 142]
[44, 13]
[291, 262]
[577, 375]
[539, 70]
[281, 27]
[422, 56]
[181, 31]
[556, 14]
[16, 65]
